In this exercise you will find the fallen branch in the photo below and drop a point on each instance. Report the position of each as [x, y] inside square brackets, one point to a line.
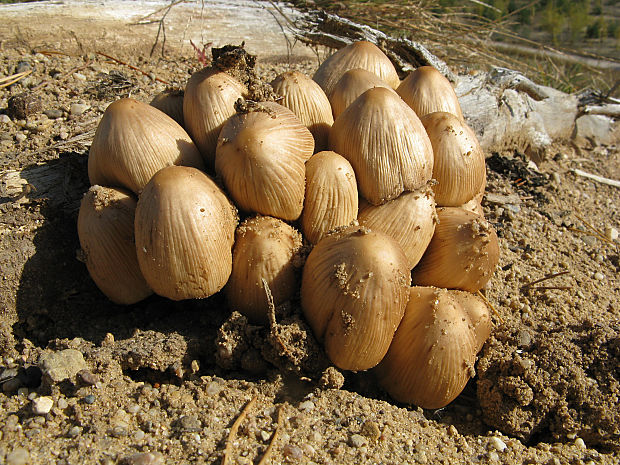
[597, 178]
[234, 428]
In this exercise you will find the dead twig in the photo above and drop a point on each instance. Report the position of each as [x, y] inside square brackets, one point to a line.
[235, 428]
[162, 28]
[274, 438]
[499, 317]
[120, 62]
[10, 80]
[544, 278]
[597, 178]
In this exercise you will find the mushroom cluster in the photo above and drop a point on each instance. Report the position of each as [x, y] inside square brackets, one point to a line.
[380, 179]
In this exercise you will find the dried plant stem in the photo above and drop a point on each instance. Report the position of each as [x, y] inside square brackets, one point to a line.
[544, 278]
[120, 62]
[597, 232]
[544, 288]
[235, 428]
[499, 317]
[9, 80]
[274, 438]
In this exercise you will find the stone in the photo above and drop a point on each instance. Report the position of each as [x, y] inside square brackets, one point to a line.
[357, 440]
[597, 129]
[53, 113]
[144, 458]
[42, 405]
[65, 364]
[18, 456]
[76, 109]
[497, 444]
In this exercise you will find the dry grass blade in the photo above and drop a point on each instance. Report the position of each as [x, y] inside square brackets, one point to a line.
[499, 317]
[9, 80]
[234, 428]
[595, 231]
[274, 438]
[544, 278]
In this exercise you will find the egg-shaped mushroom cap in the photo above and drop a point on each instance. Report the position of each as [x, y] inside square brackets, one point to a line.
[185, 230]
[261, 158]
[266, 248]
[362, 54]
[170, 101]
[459, 166]
[462, 254]
[351, 85]
[386, 144]
[106, 233]
[426, 90]
[210, 96]
[135, 140]
[354, 289]
[433, 352]
[306, 99]
[331, 195]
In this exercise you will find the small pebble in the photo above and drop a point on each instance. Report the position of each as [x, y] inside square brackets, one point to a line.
[42, 405]
[190, 423]
[610, 232]
[493, 457]
[20, 137]
[133, 409]
[63, 135]
[5, 119]
[306, 405]
[89, 399]
[77, 109]
[580, 443]
[497, 444]
[23, 391]
[292, 452]
[18, 456]
[145, 458]
[138, 435]
[87, 377]
[74, 432]
[599, 276]
[53, 113]
[62, 403]
[265, 435]
[79, 76]
[357, 440]
[118, 432]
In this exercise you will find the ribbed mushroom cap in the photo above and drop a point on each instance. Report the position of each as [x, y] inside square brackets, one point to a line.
[210, 97]
[362, 54]
[459, 160]
[261, 157]
[478, 314]
[170, 101]
[351, 85]
[135, 140]
[106, 232]
[463, 252]
[265, 248]
[331, 195]
[354, 289]
[426, 90]
[185, 229]
[306, 99]
[433, 352]
[409, 218]
[386, 144]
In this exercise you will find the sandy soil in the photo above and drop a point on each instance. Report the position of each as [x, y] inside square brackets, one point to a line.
[163, 382]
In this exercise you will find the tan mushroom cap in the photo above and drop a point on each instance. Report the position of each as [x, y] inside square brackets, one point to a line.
[351, 85]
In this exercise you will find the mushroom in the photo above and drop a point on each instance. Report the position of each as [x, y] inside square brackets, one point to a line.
[433, 352]
[362, 54]
[170, 101]
[266, 249]
[185, 230]
[426, 90]
[306, 99]
[261, 158]
[459, 166]
[462, 254]
[351, 85]
[354, 289]
[386, 144]
[409, 218]
[210, 96]
[135, 140]
[331, 199]
[106, 232]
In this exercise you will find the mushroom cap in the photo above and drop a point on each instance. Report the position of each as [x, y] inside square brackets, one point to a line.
[354, 289]
[462, 254]
[459, 166]
[261, 158]
[433, 352]
[170, 101]
[410, 219]
[351, 85]
[362, 54]
[135, 140]
[185, 230]
[426, 90]
[331, 195]
[266, 248]
[106, 232]
[210, 96]
[386, 144]
[306, 99]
